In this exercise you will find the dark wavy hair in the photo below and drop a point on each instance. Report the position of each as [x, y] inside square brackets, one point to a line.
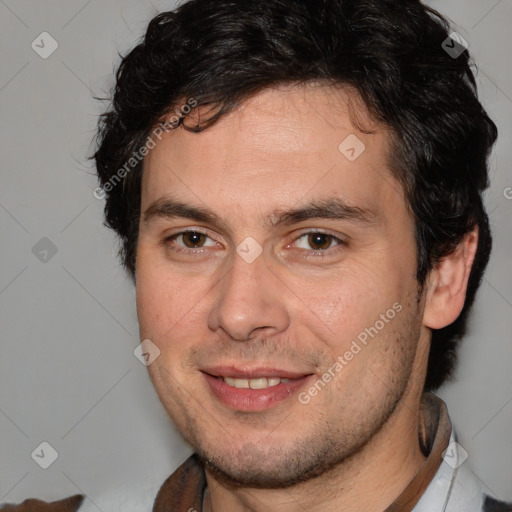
[222, 52]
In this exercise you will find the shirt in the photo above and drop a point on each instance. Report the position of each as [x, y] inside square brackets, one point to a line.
[445, 483]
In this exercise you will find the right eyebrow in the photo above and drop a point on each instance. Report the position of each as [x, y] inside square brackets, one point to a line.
[166, 208]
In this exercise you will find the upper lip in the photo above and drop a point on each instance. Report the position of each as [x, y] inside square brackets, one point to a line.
[252, 373]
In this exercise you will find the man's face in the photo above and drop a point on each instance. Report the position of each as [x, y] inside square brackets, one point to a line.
[325, 278]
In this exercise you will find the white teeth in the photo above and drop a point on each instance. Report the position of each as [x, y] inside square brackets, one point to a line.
[258, 383]
[261, 383]
[240, 383]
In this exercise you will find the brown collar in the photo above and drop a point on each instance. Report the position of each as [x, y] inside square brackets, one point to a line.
[183, 491]
[435, 431]
[71, 504]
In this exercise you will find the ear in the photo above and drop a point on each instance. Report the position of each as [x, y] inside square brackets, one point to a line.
[448, 282]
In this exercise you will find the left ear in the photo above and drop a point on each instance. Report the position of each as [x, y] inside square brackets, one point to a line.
[448, 282]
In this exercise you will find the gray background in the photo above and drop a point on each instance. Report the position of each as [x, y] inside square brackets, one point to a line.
[68, 325]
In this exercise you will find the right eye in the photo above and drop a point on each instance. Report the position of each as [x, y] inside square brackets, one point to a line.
[188, 241]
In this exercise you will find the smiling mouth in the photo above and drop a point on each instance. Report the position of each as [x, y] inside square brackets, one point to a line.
[255, 389]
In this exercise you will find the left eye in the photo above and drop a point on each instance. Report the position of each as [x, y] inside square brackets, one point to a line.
[317, 241]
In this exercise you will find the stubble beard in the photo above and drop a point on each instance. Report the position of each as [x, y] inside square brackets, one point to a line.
[275, 465]
[327, 444]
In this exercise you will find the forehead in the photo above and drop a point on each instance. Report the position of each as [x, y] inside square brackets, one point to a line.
[279, 146]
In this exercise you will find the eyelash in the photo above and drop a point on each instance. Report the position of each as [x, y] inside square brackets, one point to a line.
[313, 253]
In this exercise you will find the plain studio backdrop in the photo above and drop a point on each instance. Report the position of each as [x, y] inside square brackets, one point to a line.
[68, 374]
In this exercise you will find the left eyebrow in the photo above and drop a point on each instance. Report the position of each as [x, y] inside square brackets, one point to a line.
[331, 208]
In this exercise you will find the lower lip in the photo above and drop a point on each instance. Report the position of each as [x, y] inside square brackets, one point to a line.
[253, 400]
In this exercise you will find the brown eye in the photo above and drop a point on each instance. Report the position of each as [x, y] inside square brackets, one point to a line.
[193, 239]
[190, 242]
[319, 241]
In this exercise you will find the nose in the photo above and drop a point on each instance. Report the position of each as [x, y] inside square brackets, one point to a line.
[250, 301]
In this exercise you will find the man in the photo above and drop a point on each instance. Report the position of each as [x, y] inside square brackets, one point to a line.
[297, 186]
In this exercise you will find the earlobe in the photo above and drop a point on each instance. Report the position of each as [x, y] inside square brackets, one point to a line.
[447, 284]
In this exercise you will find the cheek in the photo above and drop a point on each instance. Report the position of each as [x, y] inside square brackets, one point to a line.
[367, 306]
[150, 299]
[163, 297]
[378, 358]
[171, 313]
[351, 298]
[158, 301]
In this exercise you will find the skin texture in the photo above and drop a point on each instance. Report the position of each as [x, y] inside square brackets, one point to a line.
[353, 446]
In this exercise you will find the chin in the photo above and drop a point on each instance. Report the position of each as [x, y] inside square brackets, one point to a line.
[272, 466]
